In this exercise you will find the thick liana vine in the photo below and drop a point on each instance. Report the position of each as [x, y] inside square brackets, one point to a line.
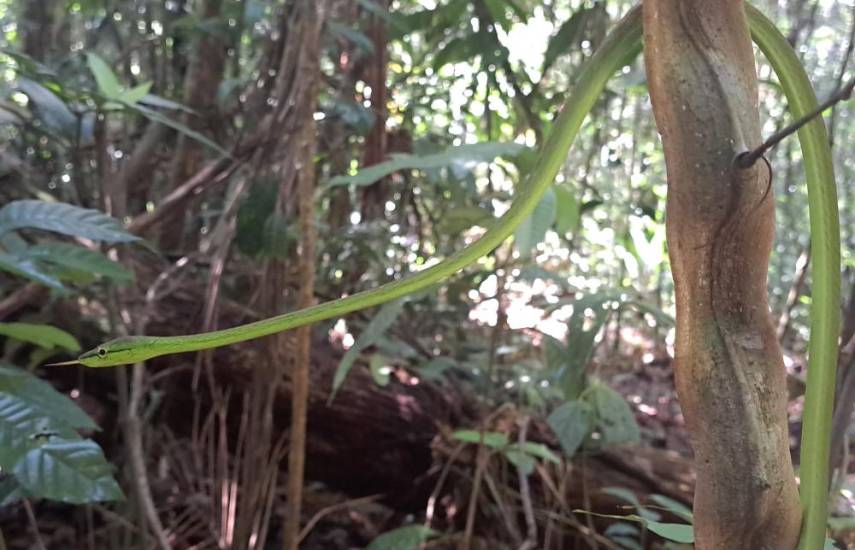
[825, 273]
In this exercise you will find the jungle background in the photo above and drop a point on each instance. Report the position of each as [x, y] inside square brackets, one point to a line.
[256, 156]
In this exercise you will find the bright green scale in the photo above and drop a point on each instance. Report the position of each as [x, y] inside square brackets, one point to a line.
[621, 47]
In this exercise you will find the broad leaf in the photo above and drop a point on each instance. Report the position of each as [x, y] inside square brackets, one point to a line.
[403, 538]
[571, 423]
[44, 336]
[568, 37]
[24, 399]
[135, 94]
[260, 231]
[24, 267]
[108, 83]
[49, 108]
[155, 116]
[499, 13]
[589, 315]
[613, 417]
[538, 450]
[387, 315]
[465, 156]
[68, 471]
[62, 218]
[11, 491]
[461, 49]
[567, 211]
[523, 462]
[152, 100]
[457, 220]
[532, 231]
[677, 532]
[81, 259]
[554, 352]
[677, 508]
[624, 534]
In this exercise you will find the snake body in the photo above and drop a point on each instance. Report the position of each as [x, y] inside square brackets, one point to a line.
[621, 47]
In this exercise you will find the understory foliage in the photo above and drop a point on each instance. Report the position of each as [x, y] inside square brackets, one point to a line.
[144, 167]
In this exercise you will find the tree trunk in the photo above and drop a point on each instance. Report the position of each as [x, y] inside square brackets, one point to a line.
[729, 370]
[201, 83]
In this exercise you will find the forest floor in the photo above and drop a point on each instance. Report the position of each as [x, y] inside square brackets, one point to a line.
[382, 457]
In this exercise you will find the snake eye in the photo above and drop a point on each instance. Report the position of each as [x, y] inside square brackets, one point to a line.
[102, 352]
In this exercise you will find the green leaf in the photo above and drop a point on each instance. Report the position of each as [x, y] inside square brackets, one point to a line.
[589, 315]
[538, 450]
[68, 471]
[461, 49]
[44, 336]
[79, 258]
[677, 532]
[26, 268]
[40, 447]
[49, 108]
[402, 538]
[498, 13]
[24, 399]
[624, 535]
[261, 232]
[495, 440]
[523, 462]
[135, 94]
[572, 424]
[152, 100]
[464, 156]
[155, 116]
[677, 508]
[387, 315]
[108, 84]
[554, 353]
[11, 491]
[457, 220]
[532, 231]
[613, 417]
[567, 210]
[569, 36]
[62, 218]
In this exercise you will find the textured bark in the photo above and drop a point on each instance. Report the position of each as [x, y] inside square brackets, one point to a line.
[729, 370]
[309, 73]
[374, 196]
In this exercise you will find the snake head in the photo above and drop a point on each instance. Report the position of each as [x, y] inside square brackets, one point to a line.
[121, 351]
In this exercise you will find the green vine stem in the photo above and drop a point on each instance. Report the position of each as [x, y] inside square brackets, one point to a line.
[825, 306]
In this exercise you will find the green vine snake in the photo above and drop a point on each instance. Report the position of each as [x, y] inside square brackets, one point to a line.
[619, 49]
